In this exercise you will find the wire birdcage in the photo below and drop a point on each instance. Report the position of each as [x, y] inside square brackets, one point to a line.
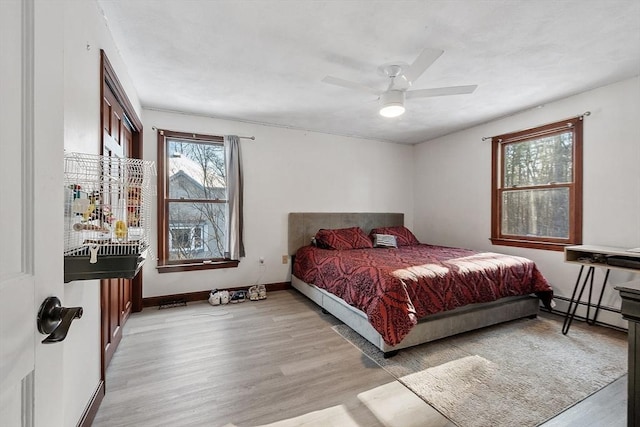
[107, 206]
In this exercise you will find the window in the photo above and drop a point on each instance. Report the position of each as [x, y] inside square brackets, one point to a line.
[537, 186]
[192, 202]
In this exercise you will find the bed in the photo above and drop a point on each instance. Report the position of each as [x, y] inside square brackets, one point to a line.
[397, 314]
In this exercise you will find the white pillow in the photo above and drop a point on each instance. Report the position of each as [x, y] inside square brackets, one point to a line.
[384, 241]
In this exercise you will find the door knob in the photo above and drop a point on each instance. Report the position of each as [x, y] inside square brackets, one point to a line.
[55, 320]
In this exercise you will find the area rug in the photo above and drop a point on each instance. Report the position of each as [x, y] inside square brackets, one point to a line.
[520, 373]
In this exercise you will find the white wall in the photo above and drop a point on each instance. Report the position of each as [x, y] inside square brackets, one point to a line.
[286, 171]
[453, 184]
[85, 33]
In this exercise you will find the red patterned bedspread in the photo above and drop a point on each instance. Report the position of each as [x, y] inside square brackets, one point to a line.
[396, 287]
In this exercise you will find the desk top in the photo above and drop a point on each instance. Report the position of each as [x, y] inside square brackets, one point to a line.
[598, 256]
[605, 250]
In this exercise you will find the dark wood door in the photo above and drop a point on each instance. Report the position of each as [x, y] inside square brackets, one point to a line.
[116, 294]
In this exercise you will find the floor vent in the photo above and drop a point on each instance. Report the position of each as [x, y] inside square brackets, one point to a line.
[172, 303]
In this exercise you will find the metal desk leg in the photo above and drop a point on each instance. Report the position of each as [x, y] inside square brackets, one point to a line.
[568, 318]
[573, 303]
[590, 292]
[595, 315]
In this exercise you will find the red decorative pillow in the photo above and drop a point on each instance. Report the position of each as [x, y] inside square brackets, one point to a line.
[343, 239]
[404, 237]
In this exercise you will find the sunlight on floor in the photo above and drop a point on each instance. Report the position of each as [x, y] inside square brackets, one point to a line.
[392, 404]
[396, 406]
[333, 416]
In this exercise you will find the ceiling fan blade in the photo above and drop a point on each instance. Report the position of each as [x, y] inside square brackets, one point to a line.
[422, 62]
[350, 85]
[441, 91]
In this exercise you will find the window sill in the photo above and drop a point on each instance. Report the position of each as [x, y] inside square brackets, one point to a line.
[530, 244]
[171, 268]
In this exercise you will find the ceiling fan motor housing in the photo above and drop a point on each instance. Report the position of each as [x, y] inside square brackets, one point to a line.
[392, 97]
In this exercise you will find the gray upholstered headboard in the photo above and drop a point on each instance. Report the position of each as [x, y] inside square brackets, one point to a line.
[304, 225]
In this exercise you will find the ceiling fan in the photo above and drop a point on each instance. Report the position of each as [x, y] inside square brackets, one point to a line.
[401, 76]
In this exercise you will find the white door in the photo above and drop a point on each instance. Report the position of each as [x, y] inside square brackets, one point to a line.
[17, 348]
[31, 131]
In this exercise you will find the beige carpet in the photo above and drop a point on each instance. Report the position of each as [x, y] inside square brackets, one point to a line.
[521, 373]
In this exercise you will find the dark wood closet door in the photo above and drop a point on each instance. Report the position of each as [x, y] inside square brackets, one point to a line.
[115, 293]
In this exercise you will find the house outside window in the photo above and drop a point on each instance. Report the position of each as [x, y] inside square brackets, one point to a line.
[537, 186]
[192, 202]
[186, 241]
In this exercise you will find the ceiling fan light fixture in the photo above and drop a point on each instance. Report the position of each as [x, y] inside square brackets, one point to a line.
[392, 103]
[392, 110]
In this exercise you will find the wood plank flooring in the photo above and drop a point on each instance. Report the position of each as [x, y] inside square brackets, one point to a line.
[250, 364]
[606, 408]
[274, 362]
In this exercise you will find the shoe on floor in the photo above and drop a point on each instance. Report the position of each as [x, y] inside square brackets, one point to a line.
[214, 297]
[262, 292]
[237, 296]
[224, 297]
[253, 293]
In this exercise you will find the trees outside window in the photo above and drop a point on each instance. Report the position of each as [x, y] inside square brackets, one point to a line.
[192, 202]
[537, 186]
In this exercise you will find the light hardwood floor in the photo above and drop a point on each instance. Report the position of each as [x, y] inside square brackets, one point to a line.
[275, 361]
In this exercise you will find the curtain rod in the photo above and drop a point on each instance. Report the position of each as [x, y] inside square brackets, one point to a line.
[581, 117]
[253, 138]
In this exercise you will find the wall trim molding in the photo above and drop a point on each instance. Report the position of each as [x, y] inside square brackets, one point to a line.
[91, 410]
[204, 295]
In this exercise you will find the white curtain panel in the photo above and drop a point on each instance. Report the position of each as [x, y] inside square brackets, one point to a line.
[234, 246]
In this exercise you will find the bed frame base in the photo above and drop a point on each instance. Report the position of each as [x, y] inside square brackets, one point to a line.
[389, 354]
[431, 328]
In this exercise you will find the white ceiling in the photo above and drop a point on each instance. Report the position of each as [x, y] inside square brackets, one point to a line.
[263, 61]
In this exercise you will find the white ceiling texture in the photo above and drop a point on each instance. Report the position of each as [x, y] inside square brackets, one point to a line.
[263, 61]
